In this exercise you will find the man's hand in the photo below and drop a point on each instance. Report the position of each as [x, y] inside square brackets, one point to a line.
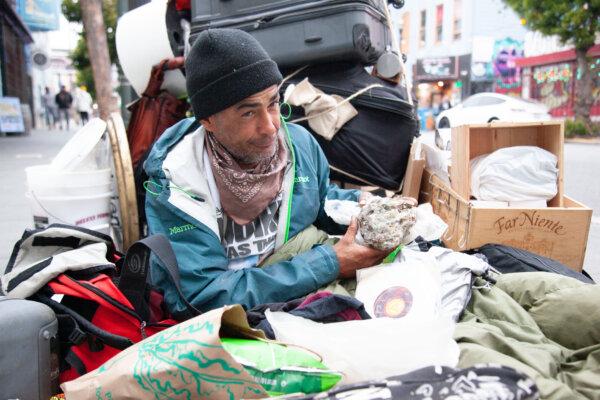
[352, 256]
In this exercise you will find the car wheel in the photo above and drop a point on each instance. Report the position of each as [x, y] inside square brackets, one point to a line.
[444, 123]
[492, 119]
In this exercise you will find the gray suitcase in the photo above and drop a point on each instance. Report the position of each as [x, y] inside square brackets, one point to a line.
[29, 364]
[299, 32]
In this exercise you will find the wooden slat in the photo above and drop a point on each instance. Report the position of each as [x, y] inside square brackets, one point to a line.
[125, 179]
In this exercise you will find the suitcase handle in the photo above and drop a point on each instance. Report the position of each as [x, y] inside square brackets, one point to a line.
[313, 39]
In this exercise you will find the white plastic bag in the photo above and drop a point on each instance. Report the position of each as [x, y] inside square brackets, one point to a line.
[429, 225]
[456, 270]
[518, 173]
[342, 211]
[408, 290]
[373, 348]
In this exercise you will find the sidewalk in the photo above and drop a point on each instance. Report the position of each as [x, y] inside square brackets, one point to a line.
[16, 153]
[593, 140]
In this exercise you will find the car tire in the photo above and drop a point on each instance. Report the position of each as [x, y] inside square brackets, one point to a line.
[493, 119]
[444, 123]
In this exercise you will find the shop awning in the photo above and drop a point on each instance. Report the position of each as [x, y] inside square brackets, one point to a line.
[554, 58]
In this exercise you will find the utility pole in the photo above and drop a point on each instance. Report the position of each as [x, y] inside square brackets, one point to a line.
[97, 44]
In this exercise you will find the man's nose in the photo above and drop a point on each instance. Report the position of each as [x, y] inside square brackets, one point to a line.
[268, 124]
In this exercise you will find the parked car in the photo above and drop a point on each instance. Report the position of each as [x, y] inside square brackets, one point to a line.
[488, 107]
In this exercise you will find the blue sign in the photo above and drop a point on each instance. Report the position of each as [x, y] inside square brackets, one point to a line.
[40, 15]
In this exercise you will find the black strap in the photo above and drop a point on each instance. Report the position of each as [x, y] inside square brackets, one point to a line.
[112, 340]
[135, 271]
[75, 363]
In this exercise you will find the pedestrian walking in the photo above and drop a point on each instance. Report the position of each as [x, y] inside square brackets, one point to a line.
[83, 104]
[49, 107]
[63, 101]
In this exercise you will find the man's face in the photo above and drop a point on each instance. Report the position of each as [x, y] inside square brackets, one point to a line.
[248, 129]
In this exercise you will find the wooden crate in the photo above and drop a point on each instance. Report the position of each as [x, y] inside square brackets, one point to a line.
[559, 233]
[470, 141]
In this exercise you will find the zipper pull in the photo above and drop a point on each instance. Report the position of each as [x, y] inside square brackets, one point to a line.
[143, 329]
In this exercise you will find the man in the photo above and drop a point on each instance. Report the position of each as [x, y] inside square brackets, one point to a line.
[238, 196]
[49, 106]
[63, 101]
[83, 104]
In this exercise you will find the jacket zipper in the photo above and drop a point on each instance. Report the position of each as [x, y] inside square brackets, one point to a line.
[289, 208]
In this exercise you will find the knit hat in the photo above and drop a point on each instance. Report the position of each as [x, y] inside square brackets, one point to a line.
[225, 66]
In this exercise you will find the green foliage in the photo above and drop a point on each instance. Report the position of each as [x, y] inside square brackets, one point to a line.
[575, 22]
[575, 128]
[79, 55]
[578, 128]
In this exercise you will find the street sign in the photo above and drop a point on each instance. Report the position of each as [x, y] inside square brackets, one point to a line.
[40, 15]
[11, 118]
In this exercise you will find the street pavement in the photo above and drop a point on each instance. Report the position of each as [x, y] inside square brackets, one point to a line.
[582, 166]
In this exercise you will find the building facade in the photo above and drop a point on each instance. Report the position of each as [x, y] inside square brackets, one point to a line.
[549, 73]
[15, 71]
[456, 48]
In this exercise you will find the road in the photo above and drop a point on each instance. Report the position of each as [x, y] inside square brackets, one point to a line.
[582, 166]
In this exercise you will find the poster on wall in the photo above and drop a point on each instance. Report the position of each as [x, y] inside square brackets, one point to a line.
[11, 118]
[553, 85]
[507, 75]
[40, 15]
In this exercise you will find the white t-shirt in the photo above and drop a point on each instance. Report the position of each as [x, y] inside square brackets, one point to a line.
[246, 244]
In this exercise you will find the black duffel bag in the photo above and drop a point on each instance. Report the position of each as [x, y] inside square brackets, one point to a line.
[372, 148]
[507, 259]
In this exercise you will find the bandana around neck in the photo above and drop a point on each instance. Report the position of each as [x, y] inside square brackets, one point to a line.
[245, 194]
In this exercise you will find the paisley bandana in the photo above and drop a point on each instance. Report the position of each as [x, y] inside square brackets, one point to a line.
[246, 193]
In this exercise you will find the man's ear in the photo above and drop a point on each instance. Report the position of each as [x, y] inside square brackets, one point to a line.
[209, 123]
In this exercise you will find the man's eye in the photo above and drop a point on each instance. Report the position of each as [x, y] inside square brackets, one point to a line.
[248, 114]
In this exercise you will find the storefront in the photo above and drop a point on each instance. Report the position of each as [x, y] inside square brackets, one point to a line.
[14, 35]
[550, 79]
[440, 82]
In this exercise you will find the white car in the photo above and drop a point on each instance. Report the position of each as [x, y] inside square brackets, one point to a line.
[487, 107]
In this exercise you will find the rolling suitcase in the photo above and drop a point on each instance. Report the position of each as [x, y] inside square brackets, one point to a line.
[372, 148]
[28, 350]
[299, 32]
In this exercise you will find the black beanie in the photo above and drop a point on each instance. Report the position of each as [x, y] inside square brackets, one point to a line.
[224, 67]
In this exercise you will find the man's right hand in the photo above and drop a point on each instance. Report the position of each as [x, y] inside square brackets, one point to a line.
[352, 256]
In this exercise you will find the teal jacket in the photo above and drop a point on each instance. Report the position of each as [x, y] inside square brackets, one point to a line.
[180, 205]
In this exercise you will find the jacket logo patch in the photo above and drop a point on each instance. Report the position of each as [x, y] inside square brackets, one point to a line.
[174, 230]
[302, 179]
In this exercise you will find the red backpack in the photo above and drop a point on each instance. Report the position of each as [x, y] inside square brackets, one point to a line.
[105, 307]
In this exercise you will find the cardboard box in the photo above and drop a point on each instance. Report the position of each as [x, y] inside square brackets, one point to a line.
[470, 141]
[559, 233]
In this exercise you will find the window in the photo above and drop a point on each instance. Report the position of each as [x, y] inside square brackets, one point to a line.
[477, 101]
[457, 22]
[423, 29]
[439, 22]
[405, 33]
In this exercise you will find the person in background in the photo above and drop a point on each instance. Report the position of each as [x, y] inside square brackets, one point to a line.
[64, 100]
[49, 107]
[83, 104]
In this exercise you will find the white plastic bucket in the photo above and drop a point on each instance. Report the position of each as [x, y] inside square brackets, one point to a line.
[102, 228]
[84, 211]
[46, 182]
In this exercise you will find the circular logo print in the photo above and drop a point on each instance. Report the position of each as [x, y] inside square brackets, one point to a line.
[135, 264]
[394, 302]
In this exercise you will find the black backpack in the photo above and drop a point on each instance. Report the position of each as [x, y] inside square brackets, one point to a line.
[508, 259]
